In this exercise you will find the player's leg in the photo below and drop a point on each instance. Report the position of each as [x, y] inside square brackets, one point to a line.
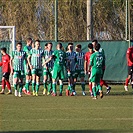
[33, 72]
[61, 77]
[27, 84]
[50, 82]
[15, 82]
[94, 90]
[54, 77]
[90, 85]
[38, 76]
[45, 77]
[82, 75]
[102, 82]
[74, 81]
[20, 86]
[3, 85]
[8, 83]
[69, 83]
[37, 84]
[130, 69]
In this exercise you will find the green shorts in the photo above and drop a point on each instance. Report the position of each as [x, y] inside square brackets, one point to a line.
[37, 72]
[96, 75]
[18, 74]
[79, 73]
[58, 73]
[71, 74]
[47, 72]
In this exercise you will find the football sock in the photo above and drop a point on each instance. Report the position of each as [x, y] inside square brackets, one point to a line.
[94, 91]
[37, 87]
[3, 84]
[27, 85]
[83, 86]
[15, 86]
[45, 84]
[90, 87]
[33, 86]
[54, 87]
[61, 88]
[50, 86]
[20, 87]
[99, 87]
[103, 83]
[71, 88]
[74, 84]
[127, 81]
[8, 85]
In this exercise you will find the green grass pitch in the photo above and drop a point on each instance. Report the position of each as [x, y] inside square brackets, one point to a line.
[28, 114]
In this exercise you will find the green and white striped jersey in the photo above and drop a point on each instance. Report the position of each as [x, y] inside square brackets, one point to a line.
[80, 60]
[27, 49]
[36, 58]
[71, 60]
[47, 55]
[18, 60]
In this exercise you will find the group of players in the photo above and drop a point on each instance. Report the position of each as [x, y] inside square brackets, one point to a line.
[33, 62]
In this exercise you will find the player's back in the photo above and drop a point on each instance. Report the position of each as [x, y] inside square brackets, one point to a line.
[80, 60]
[71, 60]
[59, 58]
[97, 60]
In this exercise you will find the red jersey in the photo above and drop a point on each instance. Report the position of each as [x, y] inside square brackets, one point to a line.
[5, 63]
[87, 57]
[130, 56]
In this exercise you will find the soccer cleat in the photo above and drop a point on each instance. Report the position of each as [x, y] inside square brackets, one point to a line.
[24, 91]
[101, 94]
[37, 94]
[108, 90]
[48, 93]
[94, 98]
[91, 94]
[60, 94]
[20, 94]
[126, 88]
[28, 93]
[71, 94]
[33, 93]
[83, 93]
[53, 94]
[67, 92]
[44, 91]
[2, 92]
[16, 93]
[9, 92]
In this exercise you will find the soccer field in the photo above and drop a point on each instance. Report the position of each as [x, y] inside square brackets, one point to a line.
[113, 113]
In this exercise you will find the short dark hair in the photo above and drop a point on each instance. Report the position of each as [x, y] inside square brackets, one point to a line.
[50, 43]
[37, 40]
[79, 46]
[3, 49]
[70, 43]
[95, 40]
[46, 44]
[97, 46]
[19, 43]
[60, 45]
[90, 46]
[29, 39]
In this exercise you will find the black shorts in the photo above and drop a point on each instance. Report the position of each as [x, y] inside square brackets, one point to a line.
[130, 70]
[6, 75]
